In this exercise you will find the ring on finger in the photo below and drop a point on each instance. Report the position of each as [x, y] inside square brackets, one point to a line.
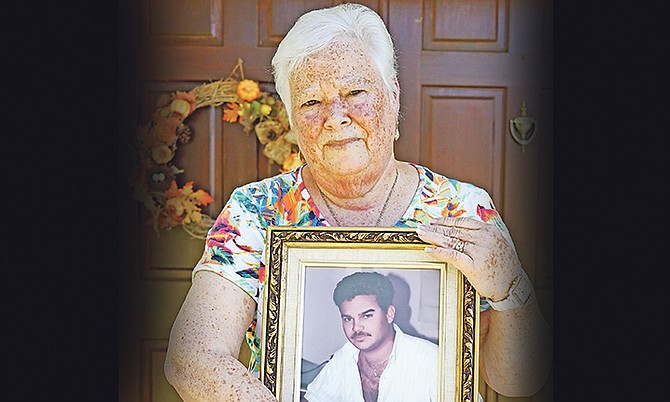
[459, 246]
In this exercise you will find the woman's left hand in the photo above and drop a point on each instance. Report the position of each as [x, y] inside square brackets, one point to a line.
[477, 249]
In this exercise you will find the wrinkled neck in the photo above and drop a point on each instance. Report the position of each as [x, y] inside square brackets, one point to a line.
[353, 192]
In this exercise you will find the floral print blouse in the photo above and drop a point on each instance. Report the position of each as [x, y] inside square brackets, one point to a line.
[235, 245]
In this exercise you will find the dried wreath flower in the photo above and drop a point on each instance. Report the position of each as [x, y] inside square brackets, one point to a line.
[267, 131]
[164, 131]
[265, 109]
[161, 154]
[277, 150]
[248, 90]
[180, 108]
[184, 133]
[183, 104]
[182, 205]
[154, 181]
[291, 161]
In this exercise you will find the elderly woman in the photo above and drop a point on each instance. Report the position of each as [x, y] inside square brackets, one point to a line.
[336, 72]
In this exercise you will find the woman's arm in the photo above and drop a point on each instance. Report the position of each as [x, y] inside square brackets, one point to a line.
[515, 350]
[201, 362]
[516, 344]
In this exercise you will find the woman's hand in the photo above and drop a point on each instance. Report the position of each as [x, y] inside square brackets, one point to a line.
[515, 345]
[478, 250]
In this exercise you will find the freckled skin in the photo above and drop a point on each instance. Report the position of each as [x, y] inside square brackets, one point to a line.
[205, 339]
[345, 124]
[515, 345]
[338, 96]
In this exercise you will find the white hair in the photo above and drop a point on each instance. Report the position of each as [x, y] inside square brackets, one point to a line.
[316, 29]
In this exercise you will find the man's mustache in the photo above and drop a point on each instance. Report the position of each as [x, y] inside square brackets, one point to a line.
[359, 334]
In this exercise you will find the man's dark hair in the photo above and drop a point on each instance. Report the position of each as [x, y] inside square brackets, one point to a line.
[364, 283]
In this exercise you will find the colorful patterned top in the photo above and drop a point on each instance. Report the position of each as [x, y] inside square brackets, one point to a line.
[236, 242]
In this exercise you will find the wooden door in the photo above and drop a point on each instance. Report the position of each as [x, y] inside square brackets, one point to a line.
[466, 66]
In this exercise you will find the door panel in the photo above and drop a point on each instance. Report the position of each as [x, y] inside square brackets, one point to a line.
[456, 25]
[188, 23]
[448, 113]
[465, 68]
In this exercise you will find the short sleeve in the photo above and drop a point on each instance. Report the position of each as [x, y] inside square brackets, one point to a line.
[482, 204]
[234, 245]
[440, 196]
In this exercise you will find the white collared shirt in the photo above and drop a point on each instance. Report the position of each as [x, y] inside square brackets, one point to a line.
[410, 375]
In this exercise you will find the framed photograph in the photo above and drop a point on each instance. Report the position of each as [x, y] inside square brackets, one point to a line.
[301, 327]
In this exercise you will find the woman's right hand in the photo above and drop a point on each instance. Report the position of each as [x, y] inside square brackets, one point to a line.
[201, 361]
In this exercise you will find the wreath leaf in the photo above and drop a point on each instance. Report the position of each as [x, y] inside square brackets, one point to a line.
[154, 181]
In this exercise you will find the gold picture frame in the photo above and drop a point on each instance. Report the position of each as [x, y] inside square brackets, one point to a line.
[296, 254]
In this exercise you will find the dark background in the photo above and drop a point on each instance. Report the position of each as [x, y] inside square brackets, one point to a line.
[60, 184]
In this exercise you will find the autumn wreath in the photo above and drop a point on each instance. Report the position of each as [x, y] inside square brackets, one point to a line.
[154, 180]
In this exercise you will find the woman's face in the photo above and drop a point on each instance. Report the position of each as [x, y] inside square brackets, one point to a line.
[342, 116]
